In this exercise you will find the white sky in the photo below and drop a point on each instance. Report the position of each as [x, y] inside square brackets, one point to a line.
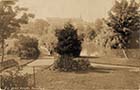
[89, 10]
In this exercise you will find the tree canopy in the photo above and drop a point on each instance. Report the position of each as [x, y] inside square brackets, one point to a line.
[68, 41]
[11, 18]
[124, 18]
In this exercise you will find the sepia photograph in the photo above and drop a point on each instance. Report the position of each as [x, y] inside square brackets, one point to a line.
[69, 44]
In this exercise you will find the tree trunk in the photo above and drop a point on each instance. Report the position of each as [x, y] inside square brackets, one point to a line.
[125, 55]
[2, 57]
[2, 60]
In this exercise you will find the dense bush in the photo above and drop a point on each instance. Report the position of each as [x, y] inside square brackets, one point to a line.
[66, 63]
[15, 81]
[28, 48]
[69, 47]
[68, 41]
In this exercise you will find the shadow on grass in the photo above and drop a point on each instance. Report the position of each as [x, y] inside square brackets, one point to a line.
[97, 70]
[91, 69]
[88, 57]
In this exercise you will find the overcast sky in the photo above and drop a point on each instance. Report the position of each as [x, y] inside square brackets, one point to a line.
[88, 9]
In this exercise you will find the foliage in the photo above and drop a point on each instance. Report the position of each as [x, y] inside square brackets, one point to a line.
[42, 29]
[37, 27]
[91, 33]
[124, 19]
[49, 40]
[12, 81]
[68, 41]
[105, 36]
[28, 47]
[11, 18]
[67, 63]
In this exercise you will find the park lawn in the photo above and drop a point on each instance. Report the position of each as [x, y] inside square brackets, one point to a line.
[116, 61]
[96, 79]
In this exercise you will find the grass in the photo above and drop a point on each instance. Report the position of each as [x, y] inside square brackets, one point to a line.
[98, 78]
[116, 61]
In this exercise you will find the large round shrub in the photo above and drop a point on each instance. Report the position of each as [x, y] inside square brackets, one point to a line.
[68, 41]
[66, 63]
[28, 48]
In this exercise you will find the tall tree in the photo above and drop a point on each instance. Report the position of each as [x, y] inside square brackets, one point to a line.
[68, 41]
[124, 18]
[11, 18]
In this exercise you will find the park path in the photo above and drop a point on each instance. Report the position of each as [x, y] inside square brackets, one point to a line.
[37, 64]
[130, 68]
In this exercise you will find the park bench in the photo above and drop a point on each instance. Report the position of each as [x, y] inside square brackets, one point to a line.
[8, 64]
